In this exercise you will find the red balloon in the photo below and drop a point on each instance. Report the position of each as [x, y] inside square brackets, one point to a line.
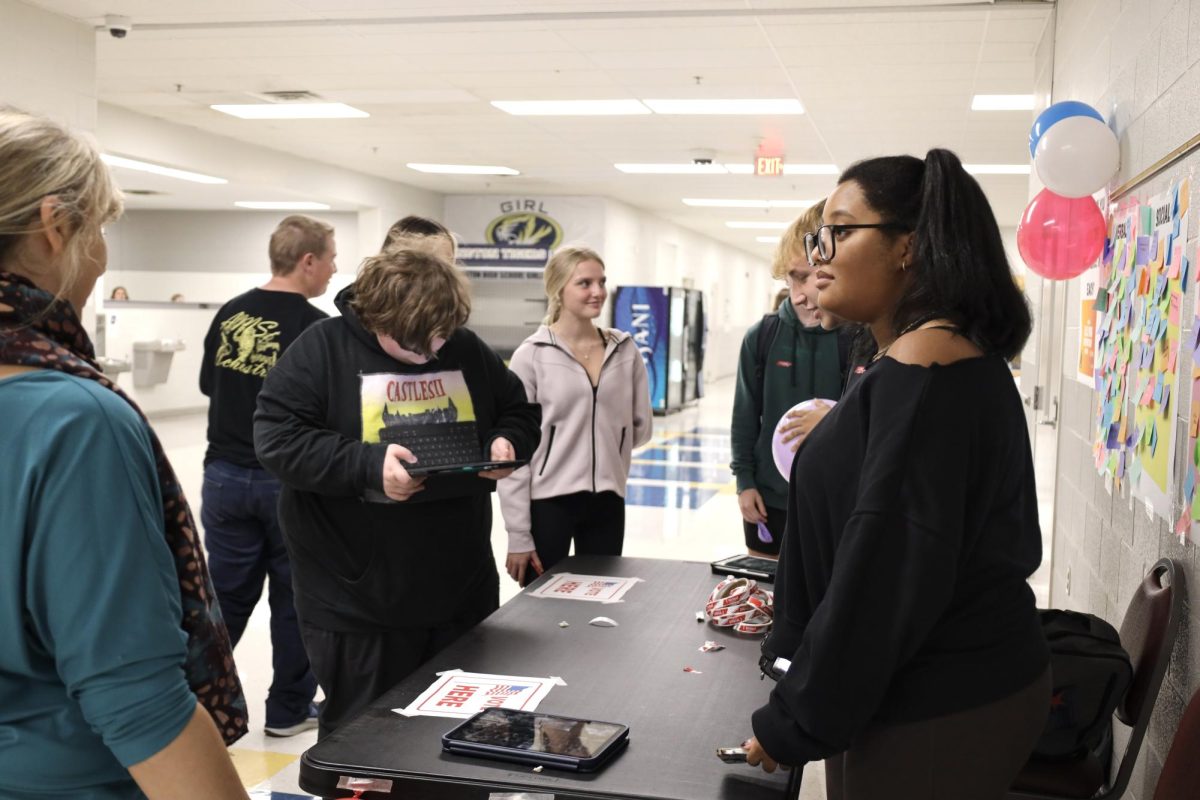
[1060, 237]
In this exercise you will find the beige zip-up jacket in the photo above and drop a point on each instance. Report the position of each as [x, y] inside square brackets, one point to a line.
[588, 434]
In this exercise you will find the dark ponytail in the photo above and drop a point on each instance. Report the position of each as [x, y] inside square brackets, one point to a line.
[961, 271]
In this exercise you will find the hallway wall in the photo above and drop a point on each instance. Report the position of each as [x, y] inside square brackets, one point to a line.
[1138, 63]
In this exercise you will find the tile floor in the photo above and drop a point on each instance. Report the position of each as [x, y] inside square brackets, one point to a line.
[681, 504]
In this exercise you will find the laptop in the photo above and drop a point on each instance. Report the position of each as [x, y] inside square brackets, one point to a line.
[443, 448]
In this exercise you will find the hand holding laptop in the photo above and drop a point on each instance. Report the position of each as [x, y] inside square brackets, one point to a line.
[397, 483]
[502, 450]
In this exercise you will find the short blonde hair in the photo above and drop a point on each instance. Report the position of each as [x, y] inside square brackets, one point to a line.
[295, 237]
[411, 295]
[39, 159]
[558, 274]
[791, 244]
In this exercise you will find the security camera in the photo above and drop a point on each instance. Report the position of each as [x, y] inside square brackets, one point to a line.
[703, 156]
[117, 25]
[703, 162]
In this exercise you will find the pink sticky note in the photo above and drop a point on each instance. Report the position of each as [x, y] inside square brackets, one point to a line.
[1173, 314]
[1149, 393]
[1173, 271]
[1172, 356]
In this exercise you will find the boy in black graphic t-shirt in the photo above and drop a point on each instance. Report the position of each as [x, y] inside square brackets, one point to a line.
[389, 567]
[241, 526]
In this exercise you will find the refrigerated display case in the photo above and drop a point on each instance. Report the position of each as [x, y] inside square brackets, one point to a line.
[667, 324]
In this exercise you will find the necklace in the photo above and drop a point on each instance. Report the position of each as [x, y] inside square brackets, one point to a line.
[582, 353]
[919, 324]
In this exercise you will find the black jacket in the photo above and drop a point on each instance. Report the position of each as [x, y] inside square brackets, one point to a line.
[361, 562]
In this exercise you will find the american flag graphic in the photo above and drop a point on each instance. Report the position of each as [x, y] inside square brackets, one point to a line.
[505, 690]
[601, 584]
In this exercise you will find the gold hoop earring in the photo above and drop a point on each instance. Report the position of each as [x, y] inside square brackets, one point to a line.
[903, 266]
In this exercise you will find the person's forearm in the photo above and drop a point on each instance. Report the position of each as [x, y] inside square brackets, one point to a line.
[194, 764]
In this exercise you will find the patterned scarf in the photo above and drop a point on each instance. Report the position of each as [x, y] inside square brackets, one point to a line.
[35, 331]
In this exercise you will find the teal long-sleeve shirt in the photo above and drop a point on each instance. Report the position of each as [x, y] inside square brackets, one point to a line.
[801, 364]
[91, 649]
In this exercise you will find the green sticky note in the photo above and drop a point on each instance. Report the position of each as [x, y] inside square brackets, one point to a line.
[1147, 214]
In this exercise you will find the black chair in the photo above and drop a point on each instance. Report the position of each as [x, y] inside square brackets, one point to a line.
[1148, 634]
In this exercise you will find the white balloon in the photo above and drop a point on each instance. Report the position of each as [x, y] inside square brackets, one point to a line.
[1076, 156]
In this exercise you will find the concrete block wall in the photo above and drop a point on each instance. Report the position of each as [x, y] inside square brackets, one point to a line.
[1138, 62]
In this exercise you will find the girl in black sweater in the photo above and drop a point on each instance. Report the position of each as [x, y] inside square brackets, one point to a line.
[918, 666]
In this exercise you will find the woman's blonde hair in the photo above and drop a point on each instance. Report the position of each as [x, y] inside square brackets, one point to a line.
[411, 295]
[558, 274]
[791, 244]
[39, 159]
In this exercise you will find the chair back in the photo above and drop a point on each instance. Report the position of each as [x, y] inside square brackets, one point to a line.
[1180, 775]
[1148, 634]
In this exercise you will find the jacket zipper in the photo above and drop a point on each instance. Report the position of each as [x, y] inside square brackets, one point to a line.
[595, 390]
[621, 446]
[549, 446]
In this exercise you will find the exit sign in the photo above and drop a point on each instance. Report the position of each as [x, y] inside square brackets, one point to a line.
[770, 166]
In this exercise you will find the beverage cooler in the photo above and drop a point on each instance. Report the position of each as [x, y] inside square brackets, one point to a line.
[667, 324]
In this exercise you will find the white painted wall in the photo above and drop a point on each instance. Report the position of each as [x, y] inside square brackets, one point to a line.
[642, 249]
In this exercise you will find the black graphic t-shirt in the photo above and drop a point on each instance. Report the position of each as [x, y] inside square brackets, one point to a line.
[246, 338]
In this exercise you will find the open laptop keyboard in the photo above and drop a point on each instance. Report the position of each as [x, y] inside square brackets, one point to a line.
[445, 443]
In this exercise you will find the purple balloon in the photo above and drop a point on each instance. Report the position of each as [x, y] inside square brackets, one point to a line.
[781, 450]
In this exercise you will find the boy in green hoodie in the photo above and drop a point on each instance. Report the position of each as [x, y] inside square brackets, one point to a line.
[786, 358]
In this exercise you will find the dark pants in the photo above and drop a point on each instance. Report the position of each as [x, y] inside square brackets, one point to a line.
[974, 754]
[245, 547]
[776, 523]
[356, 668]
[595, 521]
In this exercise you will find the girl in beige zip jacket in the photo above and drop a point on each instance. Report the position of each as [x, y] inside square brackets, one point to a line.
[592, 386]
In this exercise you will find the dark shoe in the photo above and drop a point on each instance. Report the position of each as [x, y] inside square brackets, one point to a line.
[306, 724]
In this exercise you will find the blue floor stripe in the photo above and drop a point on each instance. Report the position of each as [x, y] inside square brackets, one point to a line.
[680, 472]
[667, 496]
[706, 442]
[721, 431]
[684, 456]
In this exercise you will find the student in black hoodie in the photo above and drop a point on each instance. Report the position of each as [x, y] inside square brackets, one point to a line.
[918, 667]
[388, 567]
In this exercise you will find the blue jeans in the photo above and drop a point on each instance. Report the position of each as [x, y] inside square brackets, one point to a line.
[245, 547]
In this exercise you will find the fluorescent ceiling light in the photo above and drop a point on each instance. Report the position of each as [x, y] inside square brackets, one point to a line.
[1002, 102]
[758, 226]
[553, 108]
[284, 205]
[997, 169]
[767, 107]
[767, 239]
[290, 111]
[699, 202]
[673, 169]
[462, 169]
[170, 172]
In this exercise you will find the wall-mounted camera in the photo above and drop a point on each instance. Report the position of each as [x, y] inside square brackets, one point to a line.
[118, 26]
[703, 157]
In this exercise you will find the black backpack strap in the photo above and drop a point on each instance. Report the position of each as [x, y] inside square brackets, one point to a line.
[845, 345]
[768, 329]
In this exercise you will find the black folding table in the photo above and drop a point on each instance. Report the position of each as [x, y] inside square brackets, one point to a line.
[633, 673]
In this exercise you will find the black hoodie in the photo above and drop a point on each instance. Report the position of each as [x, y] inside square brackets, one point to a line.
[359, 561]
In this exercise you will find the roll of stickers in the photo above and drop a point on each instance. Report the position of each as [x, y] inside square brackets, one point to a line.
[740, 604]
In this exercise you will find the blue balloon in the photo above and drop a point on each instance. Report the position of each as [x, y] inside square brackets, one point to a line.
[1055, 113]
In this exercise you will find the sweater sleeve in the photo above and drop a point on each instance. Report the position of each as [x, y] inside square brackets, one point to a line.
[643, 415]
[893, 572]
[747, 422]
[291, 437]
[516, 490]
[104, 599]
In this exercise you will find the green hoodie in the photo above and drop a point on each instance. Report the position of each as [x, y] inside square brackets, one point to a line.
[802, 363]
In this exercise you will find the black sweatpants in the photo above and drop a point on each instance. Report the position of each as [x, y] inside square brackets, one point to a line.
[594, 520]
[353, 669]
[776, 524]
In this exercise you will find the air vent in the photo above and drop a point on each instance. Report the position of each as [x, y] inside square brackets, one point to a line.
[142, 192]
[294, 96]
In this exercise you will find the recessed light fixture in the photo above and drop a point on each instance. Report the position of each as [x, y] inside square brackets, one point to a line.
[583, 108]
[1002, 102]
[290, 111]
[673, 169]
[701, 202]
[758, 226]
[170, 172]
[462, 169]
[282, 205]
[997, 169]
[768, 239]
[764, 107]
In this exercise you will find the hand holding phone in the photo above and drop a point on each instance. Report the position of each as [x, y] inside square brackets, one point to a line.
[732, 755]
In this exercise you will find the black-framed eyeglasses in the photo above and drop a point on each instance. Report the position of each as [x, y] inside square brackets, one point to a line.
[824, 240]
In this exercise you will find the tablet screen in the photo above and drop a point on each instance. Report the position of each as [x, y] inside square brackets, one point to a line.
[538, 733]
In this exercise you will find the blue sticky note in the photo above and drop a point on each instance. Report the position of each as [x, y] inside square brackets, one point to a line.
[1175, 202]
[1153, 254]
[1175, 225]
[1166, 399]
[1189, 485]
[1183, 272]
[1114, 437]
[1158, 390]
[1153, 439]
[1170, 246]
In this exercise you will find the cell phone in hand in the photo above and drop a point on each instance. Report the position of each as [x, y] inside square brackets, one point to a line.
[732, 755]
